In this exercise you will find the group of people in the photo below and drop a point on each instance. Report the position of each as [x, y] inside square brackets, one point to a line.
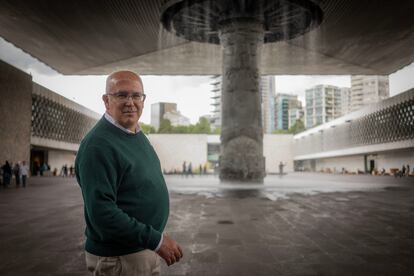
[405, 171]
[66, 171]
[20, 171]
[188, 169]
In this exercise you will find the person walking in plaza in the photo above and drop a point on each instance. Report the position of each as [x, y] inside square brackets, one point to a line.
[184, 171]
[402, 171]
[24, 171]
[71, 169]
[7, 174]
[16, 172]
[281, 165]
[125, 196]
[190, 169]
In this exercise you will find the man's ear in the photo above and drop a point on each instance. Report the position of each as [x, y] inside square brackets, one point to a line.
[105, 99]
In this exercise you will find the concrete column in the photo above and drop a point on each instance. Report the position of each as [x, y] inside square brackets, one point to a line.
[15, 114]
[241, 135]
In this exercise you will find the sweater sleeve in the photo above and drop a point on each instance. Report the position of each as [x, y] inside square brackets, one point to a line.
[97, 172]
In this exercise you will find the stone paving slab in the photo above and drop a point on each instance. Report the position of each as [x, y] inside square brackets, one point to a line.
[354, 232]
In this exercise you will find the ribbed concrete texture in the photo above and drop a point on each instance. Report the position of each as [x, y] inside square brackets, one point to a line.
[242, 134]
[94, 37]
[307, 224]
[15, 114]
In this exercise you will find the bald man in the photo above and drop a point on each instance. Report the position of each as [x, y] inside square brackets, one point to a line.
[126, 202]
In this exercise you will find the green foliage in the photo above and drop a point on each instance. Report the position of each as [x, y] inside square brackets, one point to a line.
[165, 126]
[281, 131]
[147, 129]
[299, 126]
[202, 127]
[217, 131]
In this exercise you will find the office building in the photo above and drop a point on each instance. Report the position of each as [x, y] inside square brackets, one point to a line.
[158, 110]
[176, 118]
[367, 90]
[323, 104]
[267, 90]
[284, 102]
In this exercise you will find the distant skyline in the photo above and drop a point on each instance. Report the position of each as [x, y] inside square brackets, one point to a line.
[191, 93]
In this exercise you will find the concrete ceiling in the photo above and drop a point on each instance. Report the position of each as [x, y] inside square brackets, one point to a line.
[97, 37]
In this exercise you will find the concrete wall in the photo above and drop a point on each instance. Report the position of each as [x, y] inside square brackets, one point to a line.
[278, 148]
[395, 159]
[174, 149]
[350, 163]
[15, 113]
[386, 160]
[58, 158]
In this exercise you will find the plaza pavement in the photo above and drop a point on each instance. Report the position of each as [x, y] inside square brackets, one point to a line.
[298, 224]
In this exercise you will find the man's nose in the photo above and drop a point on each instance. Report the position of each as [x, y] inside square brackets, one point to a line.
[129, 100]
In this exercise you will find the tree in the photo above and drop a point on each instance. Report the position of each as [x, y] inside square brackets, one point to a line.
[299, 126]
[203, 126]
[216, 131]
[281, 131]
[147, 129]
[165, 126]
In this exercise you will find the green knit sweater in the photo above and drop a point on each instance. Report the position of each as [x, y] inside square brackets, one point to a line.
[126, 199]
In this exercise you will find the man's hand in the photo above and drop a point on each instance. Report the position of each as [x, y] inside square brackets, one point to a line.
[170, 251]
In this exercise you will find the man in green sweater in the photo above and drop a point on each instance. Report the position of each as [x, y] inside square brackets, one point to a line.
[126, 202]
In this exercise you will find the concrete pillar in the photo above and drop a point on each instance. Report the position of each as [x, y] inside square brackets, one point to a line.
[15, 114]
[241, 135]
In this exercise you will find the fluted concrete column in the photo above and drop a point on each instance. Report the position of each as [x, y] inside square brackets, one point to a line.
[241, 135]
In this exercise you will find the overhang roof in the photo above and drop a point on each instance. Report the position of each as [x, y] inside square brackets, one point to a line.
[98, 37]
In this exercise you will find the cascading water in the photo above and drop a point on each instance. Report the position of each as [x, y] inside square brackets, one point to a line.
[241, 27]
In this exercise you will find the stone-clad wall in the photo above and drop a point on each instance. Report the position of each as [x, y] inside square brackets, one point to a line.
[15, 113]
[174, 149]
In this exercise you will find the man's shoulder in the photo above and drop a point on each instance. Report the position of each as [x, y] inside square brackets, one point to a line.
[98, 136]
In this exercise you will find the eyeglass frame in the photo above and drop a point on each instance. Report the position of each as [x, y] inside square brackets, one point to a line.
[119, 94]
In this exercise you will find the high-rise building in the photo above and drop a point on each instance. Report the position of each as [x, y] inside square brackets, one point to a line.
[215, 120]
[267, 90]
[284, 102]
[367, 90]
[158, 110]
[323, 104]
[345, 100]
[176, 118]
[295, 113]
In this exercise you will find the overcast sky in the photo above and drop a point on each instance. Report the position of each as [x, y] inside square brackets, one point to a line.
[191, 93]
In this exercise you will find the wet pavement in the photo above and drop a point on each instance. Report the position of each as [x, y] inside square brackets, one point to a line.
[298, 224]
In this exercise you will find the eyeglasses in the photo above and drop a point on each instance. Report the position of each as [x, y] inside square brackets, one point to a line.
[124, 96]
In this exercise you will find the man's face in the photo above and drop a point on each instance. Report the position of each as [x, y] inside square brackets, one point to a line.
[125, 112]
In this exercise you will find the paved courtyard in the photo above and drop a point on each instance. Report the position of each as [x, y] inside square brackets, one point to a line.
[298, 224]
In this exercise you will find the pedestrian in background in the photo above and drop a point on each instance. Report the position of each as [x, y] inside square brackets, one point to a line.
[16, 172]
[7, 174]
[24, 172]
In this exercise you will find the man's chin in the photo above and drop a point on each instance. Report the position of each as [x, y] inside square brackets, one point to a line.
[129, 121]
